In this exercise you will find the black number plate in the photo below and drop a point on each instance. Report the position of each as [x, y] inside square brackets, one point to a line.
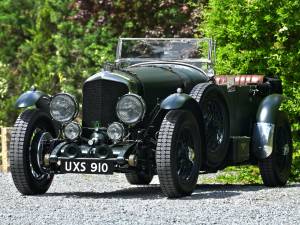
[87, 166]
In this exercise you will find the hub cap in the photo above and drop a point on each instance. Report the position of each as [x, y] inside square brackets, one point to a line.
[37, 152]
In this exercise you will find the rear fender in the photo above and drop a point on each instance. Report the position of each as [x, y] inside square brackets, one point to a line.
[264, 128]
[33, 98]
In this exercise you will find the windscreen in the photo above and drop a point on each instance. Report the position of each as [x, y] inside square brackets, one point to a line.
[164, 49]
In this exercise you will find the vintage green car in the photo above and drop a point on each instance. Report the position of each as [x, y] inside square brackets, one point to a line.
[158, 110]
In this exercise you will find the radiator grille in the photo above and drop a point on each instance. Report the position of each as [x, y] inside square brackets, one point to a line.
[99, 101]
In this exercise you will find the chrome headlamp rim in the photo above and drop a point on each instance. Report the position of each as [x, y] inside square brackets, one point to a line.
[142, 101]
[122, 128]
[76, 104]
[78, 125]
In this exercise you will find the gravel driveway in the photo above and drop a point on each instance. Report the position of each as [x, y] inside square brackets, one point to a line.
[92, 199]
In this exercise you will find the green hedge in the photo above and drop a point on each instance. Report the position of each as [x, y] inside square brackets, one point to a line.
[56, 44]
[260, 37]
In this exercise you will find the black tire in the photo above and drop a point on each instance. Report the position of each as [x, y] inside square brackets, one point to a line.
[26, 172]
[216, 123]
[179, 136]
[275, 169]
[139, 178]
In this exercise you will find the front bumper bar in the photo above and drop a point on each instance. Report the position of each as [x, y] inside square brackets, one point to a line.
[118, 159]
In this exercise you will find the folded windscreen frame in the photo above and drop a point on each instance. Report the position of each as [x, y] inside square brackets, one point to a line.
[197, 52]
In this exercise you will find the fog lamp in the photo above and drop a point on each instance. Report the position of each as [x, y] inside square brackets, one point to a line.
[116, 131]
[72, 130]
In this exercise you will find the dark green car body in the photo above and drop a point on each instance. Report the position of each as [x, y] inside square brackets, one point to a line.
[154, 82]
[237, 115]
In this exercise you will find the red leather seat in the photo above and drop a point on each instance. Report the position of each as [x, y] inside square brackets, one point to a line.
[240, 80]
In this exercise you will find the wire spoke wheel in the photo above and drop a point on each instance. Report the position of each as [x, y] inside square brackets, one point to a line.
[216, 123]
[28, 146]
[275, 169]
[37, 152]
[185, 155]
[283, 148]
[139, 177]
[179, 153]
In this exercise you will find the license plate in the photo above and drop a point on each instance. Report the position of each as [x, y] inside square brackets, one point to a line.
[87, 166]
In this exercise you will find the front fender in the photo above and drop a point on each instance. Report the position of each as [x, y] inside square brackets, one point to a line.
[177, 101]
[33, 97]
[263, 130]
[186, 102]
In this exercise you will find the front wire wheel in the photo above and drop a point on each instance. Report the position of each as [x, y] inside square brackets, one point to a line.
[139, 178]
[179, 153]
[27, 150]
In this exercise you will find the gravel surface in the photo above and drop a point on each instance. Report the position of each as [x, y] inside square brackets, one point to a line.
[92, 199]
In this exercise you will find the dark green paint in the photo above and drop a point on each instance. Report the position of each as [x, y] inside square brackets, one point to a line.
[155, 81]
[242, 107]
[267, 113]
[268, 108]
[164, 79]
[176, 101]
[29, 98]
[118, 76]
[158, 82]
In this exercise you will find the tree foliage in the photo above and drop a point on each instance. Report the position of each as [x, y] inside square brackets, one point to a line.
[56, 44]
[152, 18]
[260, 37]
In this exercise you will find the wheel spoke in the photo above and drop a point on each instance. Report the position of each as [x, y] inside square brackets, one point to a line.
[185, 154]
[214, 124]
[282, 149]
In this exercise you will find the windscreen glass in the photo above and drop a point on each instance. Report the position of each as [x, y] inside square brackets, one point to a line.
[164, 49]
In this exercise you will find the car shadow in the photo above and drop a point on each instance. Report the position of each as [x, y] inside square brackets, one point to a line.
[204, 191]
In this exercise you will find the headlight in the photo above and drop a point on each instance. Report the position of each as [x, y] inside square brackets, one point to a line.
[63, 107]
[115, 131]
[131, 108]
[72, 131]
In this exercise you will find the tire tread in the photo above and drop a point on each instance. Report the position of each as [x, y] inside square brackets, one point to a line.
[20, 174]
[16, 152]
[163, 157]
